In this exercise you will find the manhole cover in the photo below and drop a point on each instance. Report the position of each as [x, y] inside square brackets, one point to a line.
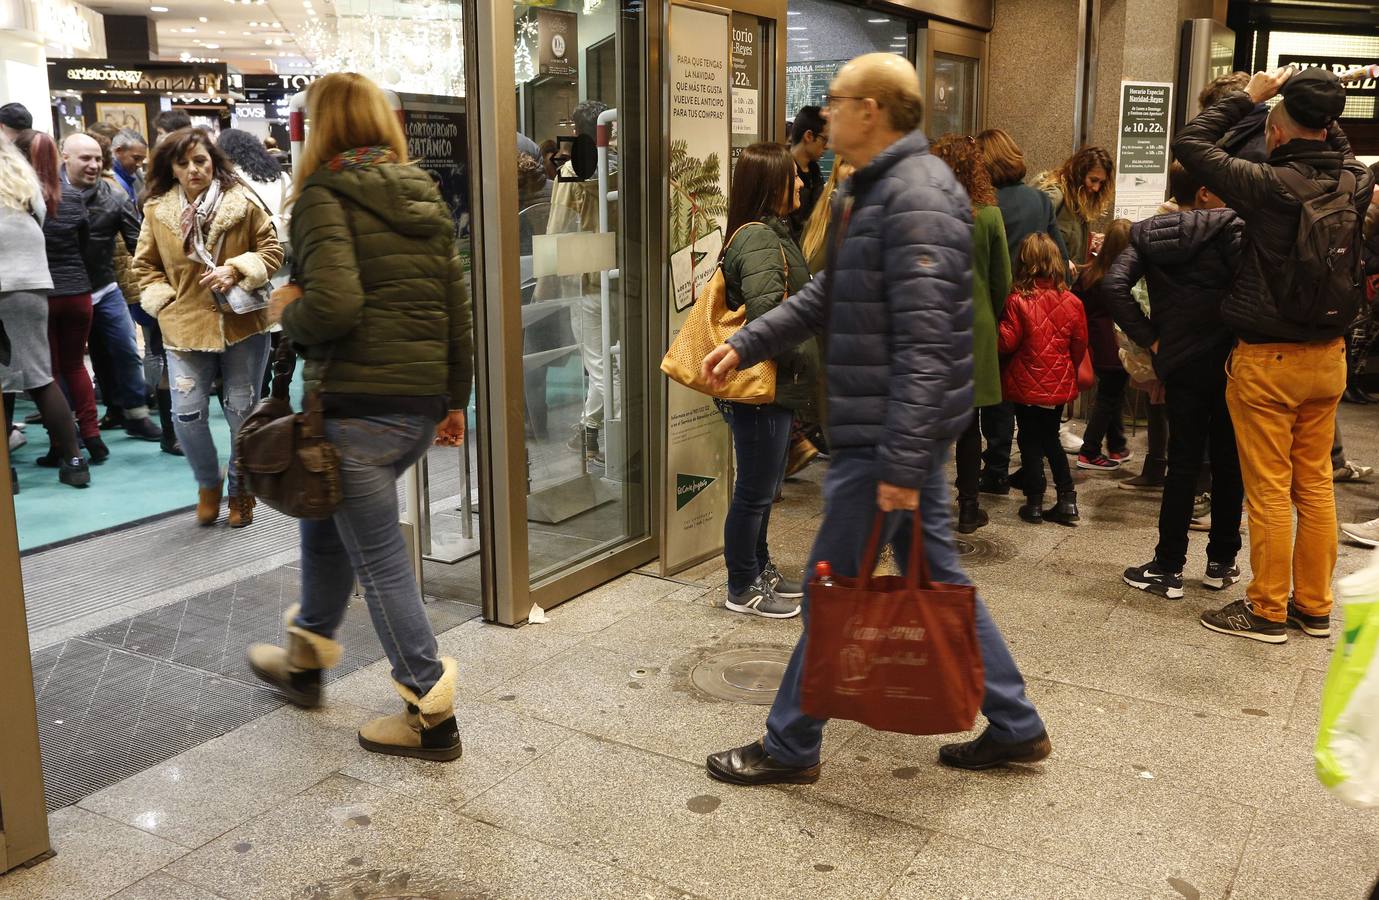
[975, 550]
[747, 675]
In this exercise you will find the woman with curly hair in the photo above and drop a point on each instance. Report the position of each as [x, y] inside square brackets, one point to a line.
[990, 286]
[1081, 191]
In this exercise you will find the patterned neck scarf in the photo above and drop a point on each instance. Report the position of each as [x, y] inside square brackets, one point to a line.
[362, 158]
[195, 222]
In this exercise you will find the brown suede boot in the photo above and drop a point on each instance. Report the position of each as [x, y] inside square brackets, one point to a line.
[802, 453]
[296, 671]
[241, 510]
[427, 730]
[208, 504]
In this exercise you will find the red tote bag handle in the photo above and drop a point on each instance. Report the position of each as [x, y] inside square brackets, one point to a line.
[916, 574]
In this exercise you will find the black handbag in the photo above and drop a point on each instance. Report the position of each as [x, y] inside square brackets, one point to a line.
[284, 458]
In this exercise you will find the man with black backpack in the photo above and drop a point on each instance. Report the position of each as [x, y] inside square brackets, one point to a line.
[1297, 291]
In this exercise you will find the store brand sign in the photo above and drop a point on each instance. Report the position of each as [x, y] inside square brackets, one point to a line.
[1367, 87]
[557, 33]
[64, 23]
[687, 487]
[251, 111]
[81, 75]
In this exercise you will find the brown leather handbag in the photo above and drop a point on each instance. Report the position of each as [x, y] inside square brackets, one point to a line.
[894, 653]
[284, 457]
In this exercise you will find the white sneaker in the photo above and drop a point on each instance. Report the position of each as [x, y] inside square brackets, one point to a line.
[17, 440]
[1366, 534]
[1072, 441]
[1351, 472]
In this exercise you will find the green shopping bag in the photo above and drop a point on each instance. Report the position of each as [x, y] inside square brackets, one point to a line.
[1347, 752]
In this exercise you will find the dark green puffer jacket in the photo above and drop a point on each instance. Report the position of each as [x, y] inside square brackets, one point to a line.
[383, 288]
[756, 276]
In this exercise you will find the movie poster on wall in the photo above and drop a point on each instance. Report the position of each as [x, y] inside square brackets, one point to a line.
[698, 445]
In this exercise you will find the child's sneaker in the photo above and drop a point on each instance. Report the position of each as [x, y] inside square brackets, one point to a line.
[1153, 578]
[1099, 463]
[1220, 575]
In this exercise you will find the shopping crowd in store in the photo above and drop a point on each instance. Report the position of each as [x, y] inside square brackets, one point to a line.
[925, 300]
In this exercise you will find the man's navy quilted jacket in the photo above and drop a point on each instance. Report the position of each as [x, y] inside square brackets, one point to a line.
[898, 326]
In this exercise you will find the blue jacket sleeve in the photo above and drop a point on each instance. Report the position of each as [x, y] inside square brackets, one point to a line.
[927, 253]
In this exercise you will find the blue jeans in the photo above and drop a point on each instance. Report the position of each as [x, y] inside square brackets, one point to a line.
[761, 440]
[192, 375]
[363, 538]
[154, 355]
[112, 328]
[849, 510]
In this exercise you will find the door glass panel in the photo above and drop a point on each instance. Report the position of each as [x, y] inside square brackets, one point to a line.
[953, 99]
[577, 66]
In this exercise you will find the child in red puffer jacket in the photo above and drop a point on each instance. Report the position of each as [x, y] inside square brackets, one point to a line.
[1043, 337]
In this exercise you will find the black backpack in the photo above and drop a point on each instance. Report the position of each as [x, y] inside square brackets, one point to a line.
[1324, 284]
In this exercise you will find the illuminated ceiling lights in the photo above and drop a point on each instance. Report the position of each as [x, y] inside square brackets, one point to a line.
[420, 53]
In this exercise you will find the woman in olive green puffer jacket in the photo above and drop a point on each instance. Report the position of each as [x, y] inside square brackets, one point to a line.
[762, 267]
[385, 324]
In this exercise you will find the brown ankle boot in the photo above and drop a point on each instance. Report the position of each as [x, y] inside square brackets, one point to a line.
[241, 510]
[208, 504]
[296, 670]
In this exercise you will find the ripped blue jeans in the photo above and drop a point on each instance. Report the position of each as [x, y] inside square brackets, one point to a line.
[191, 377]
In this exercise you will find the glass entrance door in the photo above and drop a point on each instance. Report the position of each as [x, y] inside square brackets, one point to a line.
[954, 69]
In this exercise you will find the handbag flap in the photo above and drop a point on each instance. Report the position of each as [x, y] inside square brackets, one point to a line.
[269, 446]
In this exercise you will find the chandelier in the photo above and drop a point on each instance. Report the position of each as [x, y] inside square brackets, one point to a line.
[417, 54]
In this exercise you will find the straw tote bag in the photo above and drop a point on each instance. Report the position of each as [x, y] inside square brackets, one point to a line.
[709, 323]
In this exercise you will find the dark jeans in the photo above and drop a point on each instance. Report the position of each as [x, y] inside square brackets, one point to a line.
[1039, 441]
[849, 511]
[998, 427]
[1105, 421]
[1198, 420]
[761, 440]
[362, 539]
[968, 456]
[121, 373]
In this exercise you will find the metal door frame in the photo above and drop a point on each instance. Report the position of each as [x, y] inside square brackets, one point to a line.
[954, 40]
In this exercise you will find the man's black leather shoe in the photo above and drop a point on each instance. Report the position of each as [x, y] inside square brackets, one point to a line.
[987, 753]
[751, 765]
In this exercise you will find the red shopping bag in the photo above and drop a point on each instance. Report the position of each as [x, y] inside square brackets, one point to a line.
[894, 653]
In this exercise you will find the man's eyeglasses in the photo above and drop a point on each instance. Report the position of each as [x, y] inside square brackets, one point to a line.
[834, 99]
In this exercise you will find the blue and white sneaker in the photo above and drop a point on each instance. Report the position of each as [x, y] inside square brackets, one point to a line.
[760, 600]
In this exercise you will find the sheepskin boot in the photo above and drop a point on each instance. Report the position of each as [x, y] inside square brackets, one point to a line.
[427, 730]
[296, 669]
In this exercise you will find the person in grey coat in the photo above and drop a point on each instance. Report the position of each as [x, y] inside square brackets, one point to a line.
[896, 305]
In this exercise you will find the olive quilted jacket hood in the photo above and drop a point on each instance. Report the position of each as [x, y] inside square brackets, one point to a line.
[384, 308]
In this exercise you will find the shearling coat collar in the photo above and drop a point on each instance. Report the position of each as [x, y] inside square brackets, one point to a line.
[234, 206]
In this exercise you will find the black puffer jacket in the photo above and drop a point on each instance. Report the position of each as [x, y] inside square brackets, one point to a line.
[1189, 260]
[67, 234]
[1270, 212]
[112, 217]
[899, 321]
[1247, 140]
[755, 266]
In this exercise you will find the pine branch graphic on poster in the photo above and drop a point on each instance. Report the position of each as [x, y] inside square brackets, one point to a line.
[697, 200]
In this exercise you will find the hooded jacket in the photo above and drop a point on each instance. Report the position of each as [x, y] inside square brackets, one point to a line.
[170, 287]
[1270, 211]
[897, 311]
[1189, 260]
[1044, 334]
[1247, 139]
[383, 311]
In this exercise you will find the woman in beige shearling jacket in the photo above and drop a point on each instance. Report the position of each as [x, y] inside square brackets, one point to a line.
[196, 210]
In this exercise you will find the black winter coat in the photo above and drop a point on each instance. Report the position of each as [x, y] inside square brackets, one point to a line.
[1270, 212]
[67, 235]
[1189, 260]
[1101, 328]
[755, 266]
[897, 310]
[1247, 140]
[112, 217]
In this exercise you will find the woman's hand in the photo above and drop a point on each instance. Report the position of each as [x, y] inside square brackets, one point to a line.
[221, 278]
[280, 300]
[450, 432]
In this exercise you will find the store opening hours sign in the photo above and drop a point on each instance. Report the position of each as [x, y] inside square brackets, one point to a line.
[1142, 154]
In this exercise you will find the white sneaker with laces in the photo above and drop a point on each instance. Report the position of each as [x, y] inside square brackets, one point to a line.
[1366, 534]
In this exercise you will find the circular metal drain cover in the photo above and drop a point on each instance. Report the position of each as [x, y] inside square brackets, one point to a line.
[976, 550]
[747, 675]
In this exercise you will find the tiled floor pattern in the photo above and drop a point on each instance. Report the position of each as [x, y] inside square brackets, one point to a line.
[1182, 763]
